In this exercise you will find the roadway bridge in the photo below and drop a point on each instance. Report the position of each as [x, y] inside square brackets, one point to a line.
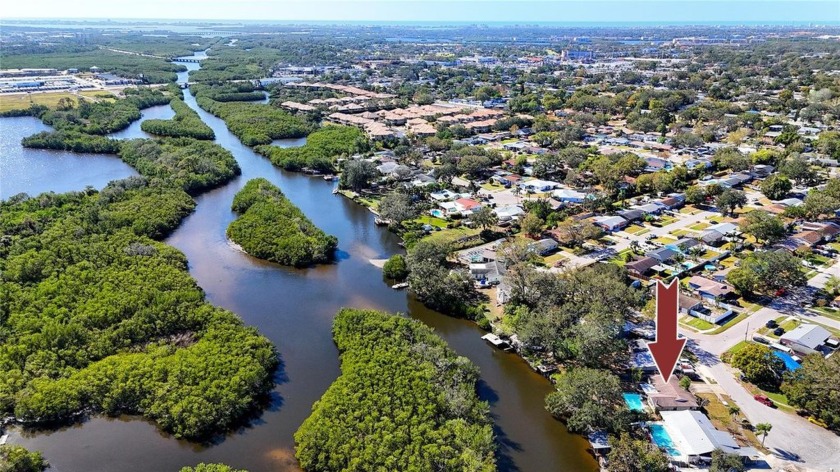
[186, 59]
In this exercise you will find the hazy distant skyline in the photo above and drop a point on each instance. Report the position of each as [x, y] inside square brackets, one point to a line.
[478, 11]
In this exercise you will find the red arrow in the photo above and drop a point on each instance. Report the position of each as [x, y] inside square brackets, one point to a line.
[667, 348]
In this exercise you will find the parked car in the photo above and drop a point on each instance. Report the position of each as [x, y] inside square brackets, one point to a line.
[771, 324]
[763, 399]
[779, 331]
[760, 339]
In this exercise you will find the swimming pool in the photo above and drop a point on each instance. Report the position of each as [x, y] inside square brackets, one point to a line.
[663, 440]
[787, 359]
[633, 401]
[437, 213]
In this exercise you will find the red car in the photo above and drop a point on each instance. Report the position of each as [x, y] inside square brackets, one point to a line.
[765, 400]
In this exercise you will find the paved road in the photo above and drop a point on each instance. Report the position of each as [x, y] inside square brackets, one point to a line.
[717, 344]
[793, 440]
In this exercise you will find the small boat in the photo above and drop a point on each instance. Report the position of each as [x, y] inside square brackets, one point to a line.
[329, 177]
[400, 286]
[335, 190]
[381, 222]
[497, 341]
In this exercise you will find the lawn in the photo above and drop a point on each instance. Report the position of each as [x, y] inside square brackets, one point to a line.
[700, 226]
[731, 322]
[666, 220]
[636, 229]
[697, 323]
[431, 220]
[552, 259]
[689, 210]
[680, 232]
[818, 259]
[665, 240]
[738, 347]
[451, 235]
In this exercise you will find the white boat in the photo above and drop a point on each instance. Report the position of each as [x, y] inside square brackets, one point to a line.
[400, 286]
[497, 341]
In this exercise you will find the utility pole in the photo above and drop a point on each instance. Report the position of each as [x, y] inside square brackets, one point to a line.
[747, 331]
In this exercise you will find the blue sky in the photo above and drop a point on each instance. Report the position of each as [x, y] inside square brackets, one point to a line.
[477, 11]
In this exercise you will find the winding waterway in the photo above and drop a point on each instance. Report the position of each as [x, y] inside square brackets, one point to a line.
[294, 308]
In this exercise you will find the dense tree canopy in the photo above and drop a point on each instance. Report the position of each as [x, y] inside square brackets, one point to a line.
[187, 163]
[186, 123]
[588, 399]
[813, 387]
[18, 459]
[273, 228]
[759, 365]
[98, 316]
[767, 272]
[403, 401]
[252, 123]
[322, 149]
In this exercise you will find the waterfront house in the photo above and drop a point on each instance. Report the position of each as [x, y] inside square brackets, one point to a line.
[670, 396]
[695, 438]
[640, 357]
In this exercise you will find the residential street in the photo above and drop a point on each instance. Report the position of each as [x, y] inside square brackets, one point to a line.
[793, 440]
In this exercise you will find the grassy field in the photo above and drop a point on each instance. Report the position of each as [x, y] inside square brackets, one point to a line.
[636, 229]
[49, 99]
[22, 102]
[431, 220]
[699, 226]
[697, 323]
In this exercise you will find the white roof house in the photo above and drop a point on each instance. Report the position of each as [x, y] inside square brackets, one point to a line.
[694, 436]
[805, 338]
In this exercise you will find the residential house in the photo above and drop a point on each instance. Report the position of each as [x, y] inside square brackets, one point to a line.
[641, 267]
[695, 438]
[716, 292]
[488, 272]
[694, 307]
[805, 338]
[663, 255]
[509, 212]
[671, 203]
[610, 223]
[670, 396]
[631, 215]
[537, 185]
[543, 246]
[466, 205]
[650, 208]
[567, 195]
[640, 357]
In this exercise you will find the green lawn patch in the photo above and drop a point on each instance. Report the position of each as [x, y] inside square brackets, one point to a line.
[699, 226]
[699, 324]
[731, 322]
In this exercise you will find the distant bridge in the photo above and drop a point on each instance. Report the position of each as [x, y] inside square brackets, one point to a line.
[186, 59]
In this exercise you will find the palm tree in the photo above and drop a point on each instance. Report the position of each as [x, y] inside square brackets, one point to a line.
[734, 410]
[762, 429]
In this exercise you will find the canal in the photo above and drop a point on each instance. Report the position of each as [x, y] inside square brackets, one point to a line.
[294, 308]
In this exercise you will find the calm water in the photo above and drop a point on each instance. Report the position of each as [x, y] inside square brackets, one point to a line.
[35, 170]
[295, 308]
[160, 112]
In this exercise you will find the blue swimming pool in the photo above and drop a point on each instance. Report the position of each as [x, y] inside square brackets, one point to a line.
[663, 440]
[633, 401]
[437, 213]
[787, 359]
